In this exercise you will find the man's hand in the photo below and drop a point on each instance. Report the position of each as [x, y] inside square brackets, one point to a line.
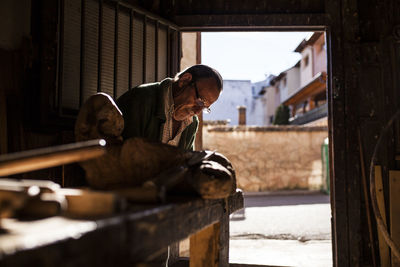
[214, 178]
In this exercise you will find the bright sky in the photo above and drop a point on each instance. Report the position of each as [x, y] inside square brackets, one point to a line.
[250, 55]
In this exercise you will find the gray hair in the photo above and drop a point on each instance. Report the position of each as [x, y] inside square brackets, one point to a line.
[200, 71]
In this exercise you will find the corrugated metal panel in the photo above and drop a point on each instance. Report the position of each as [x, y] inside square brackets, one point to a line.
[137, 53]
[123, 53]
[162, 53]
[107, 51]
[150, 51]
[90, 59]
[71, 55]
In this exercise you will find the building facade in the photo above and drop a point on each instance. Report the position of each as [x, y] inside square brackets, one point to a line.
[308, 102]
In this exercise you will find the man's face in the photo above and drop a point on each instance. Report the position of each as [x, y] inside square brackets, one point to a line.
[196, 96]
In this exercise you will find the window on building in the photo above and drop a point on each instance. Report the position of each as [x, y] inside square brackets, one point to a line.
[305, 60]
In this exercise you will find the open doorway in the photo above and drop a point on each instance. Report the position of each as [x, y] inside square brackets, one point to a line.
[273, 127]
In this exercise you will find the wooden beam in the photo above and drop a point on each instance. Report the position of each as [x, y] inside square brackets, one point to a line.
[37, 159]
[204, 247]
[253, 22]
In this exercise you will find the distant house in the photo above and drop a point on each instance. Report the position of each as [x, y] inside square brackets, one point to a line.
[279, 88]
[288, 82]
[235, 93]
[241, 93]
[256, 111]
[308, 102]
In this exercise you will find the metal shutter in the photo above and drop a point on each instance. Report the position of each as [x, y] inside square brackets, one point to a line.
[91, 42]
[123, 53]
[150, 51]
[137, 51]
[142, 50]
[162, 56]
[71, 54]
[107, 50]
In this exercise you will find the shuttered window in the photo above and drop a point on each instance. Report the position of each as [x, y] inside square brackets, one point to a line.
[137, 51]
[123, 52]
[150, 51]
[71, 50]
[162, 53]
[107, 50]
[90, 49]
[109, 46]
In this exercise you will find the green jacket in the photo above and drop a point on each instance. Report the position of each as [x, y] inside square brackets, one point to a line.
[143, 111]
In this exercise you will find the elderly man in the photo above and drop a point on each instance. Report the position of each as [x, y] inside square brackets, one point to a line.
[167, 111]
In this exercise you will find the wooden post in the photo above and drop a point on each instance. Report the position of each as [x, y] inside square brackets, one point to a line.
[224, 238]
[311, 102]
[204, 247]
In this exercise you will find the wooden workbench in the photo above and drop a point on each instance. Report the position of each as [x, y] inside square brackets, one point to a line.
[125, 239]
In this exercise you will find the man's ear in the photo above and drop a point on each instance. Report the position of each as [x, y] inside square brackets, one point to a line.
[185, 79]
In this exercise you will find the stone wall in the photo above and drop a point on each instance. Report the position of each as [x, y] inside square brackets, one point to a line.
[271, 158]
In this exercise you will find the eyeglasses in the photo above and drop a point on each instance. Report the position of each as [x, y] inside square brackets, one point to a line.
[200, 101]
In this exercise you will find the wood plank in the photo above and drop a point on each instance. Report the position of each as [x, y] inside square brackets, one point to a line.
[383, 247]
[37, 159]
[394, 195]
[204, 247]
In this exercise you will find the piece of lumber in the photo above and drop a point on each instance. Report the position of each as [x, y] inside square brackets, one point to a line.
[87, 203]
[394, 195]
[366, 199]
[36, 159]
[383, 247]
[204, 247]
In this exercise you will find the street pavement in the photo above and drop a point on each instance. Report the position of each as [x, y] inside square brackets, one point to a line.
[282, 230]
